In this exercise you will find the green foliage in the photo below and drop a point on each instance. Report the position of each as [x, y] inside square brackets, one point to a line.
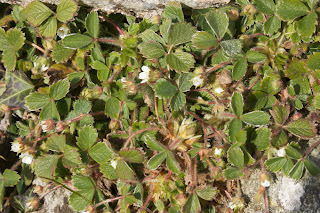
[166, 109]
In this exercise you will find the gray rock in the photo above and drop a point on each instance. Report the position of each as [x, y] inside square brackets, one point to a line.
[139, 8]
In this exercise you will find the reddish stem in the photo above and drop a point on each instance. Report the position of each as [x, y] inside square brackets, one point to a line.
[203, 126]
[256, 81]
[217, 67]
[146, 203]
[113, 24]
[311, 148]
[137, 133]
[108, 201]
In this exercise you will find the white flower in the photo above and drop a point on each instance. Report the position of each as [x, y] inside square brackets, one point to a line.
[145, 74]
[62, 32]
[44, 67]
[85, 212]
[232, 205]
[197, 81]
[114, 163]
[218, 90]
[29, 205]
[217, 151]
[265, 183]
[26, 158]
[281, 152]
[44, 127]
[35, 64]
[16, 146]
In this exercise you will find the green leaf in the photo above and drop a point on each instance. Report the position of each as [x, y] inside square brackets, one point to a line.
[287, 167]
[256, 118]
[45, 166]
[4, 44]
[172, 163]
[9, 59]
[82, 106]
[152, 49]
[313, 61]
[15, 38]
[218, 22]
[180, 61]
[301, 128]
[132, 155]
[261, 138]
[48, 29]
[204, 40]
[76, 41]
[59, 90]
[296, 69]
[185, 82]
[232, 173]
[240, 69]
[234, 128]
[255, 56]
[86, 189]
[272, 25]
[265, 6]
[174, 11]
[297, 171]
[56, 143]
[316, 101]
[271, 85]
[11, 178]
[66, 10]
[71, 157]
[206, 193]
[307, 25]
[17, 88]
[112, 107]
[232, 48]
[280, 113]
[178, 101]
[87, 137]
[293, 153]
[180, 33]
[275, 164]
[2, 187]
[289, 10]
[312, 169]
[101, 153]
[108, 171]
[236, 156]
[279, 139]
[124, 171]
[312, 3]
[61, 54]
[192, 205]
[164, 89]
[152, 142]
[50, 111]
[156, 160]
[165, 28]
[237, 104]
[150, 35]
[37, 12]
[92, 24]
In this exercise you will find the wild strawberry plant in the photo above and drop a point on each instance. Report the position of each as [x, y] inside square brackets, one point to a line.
[161, 114]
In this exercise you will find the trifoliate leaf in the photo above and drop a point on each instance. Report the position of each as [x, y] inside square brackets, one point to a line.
[15, 38]
[108, 171]
[275, 164]
[218, 22]
[232, 173]
[265, 6]
[180, 61]
[236, 156]
[289, 10]
[313, 61]
[86, 189]
[112, 107]
[256, 118]
[280, 113]
[37, 12]
[261, 138]
[297, 171]
[156, 160]
[272, 25]
[164, 89]
[152, 49]
[71, 157]
[293, 153]
[45, 166]
[240, 69]
[255, 56]
[124, 171]
[237, 104]
[60, 53]
[48, 29]
[307, 25]
[101, 153]
[312, 169]
[56, 143]
[279, 139]
[296, 69]
[66, 10]
[150, 35]
[192, 205]
[180, 33]
[50, 111]
[82, 106]
[232, 48]
[76, 41]
[59, 90]
[87, 137]
[17, 88]
[172, 163]
[132, 155]
[11, 178]
[301, 128]
[92, 24]
[174, 11]
[178, 101]
[204, 40]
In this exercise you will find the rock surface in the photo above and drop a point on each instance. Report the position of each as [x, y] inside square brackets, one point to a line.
[138, 8]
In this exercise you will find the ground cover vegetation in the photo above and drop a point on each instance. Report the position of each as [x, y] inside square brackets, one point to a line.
[157, 115]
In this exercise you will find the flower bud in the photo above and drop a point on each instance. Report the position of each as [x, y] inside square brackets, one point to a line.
[233, 14]
[155, 19]
[38, 189]
[155, 75]
[4, 108]
[296, 116]
[60, 126]
[114, 125]
[47, 125]
[32, 204]
[249, 9]
[97, 92]
[264, 180]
